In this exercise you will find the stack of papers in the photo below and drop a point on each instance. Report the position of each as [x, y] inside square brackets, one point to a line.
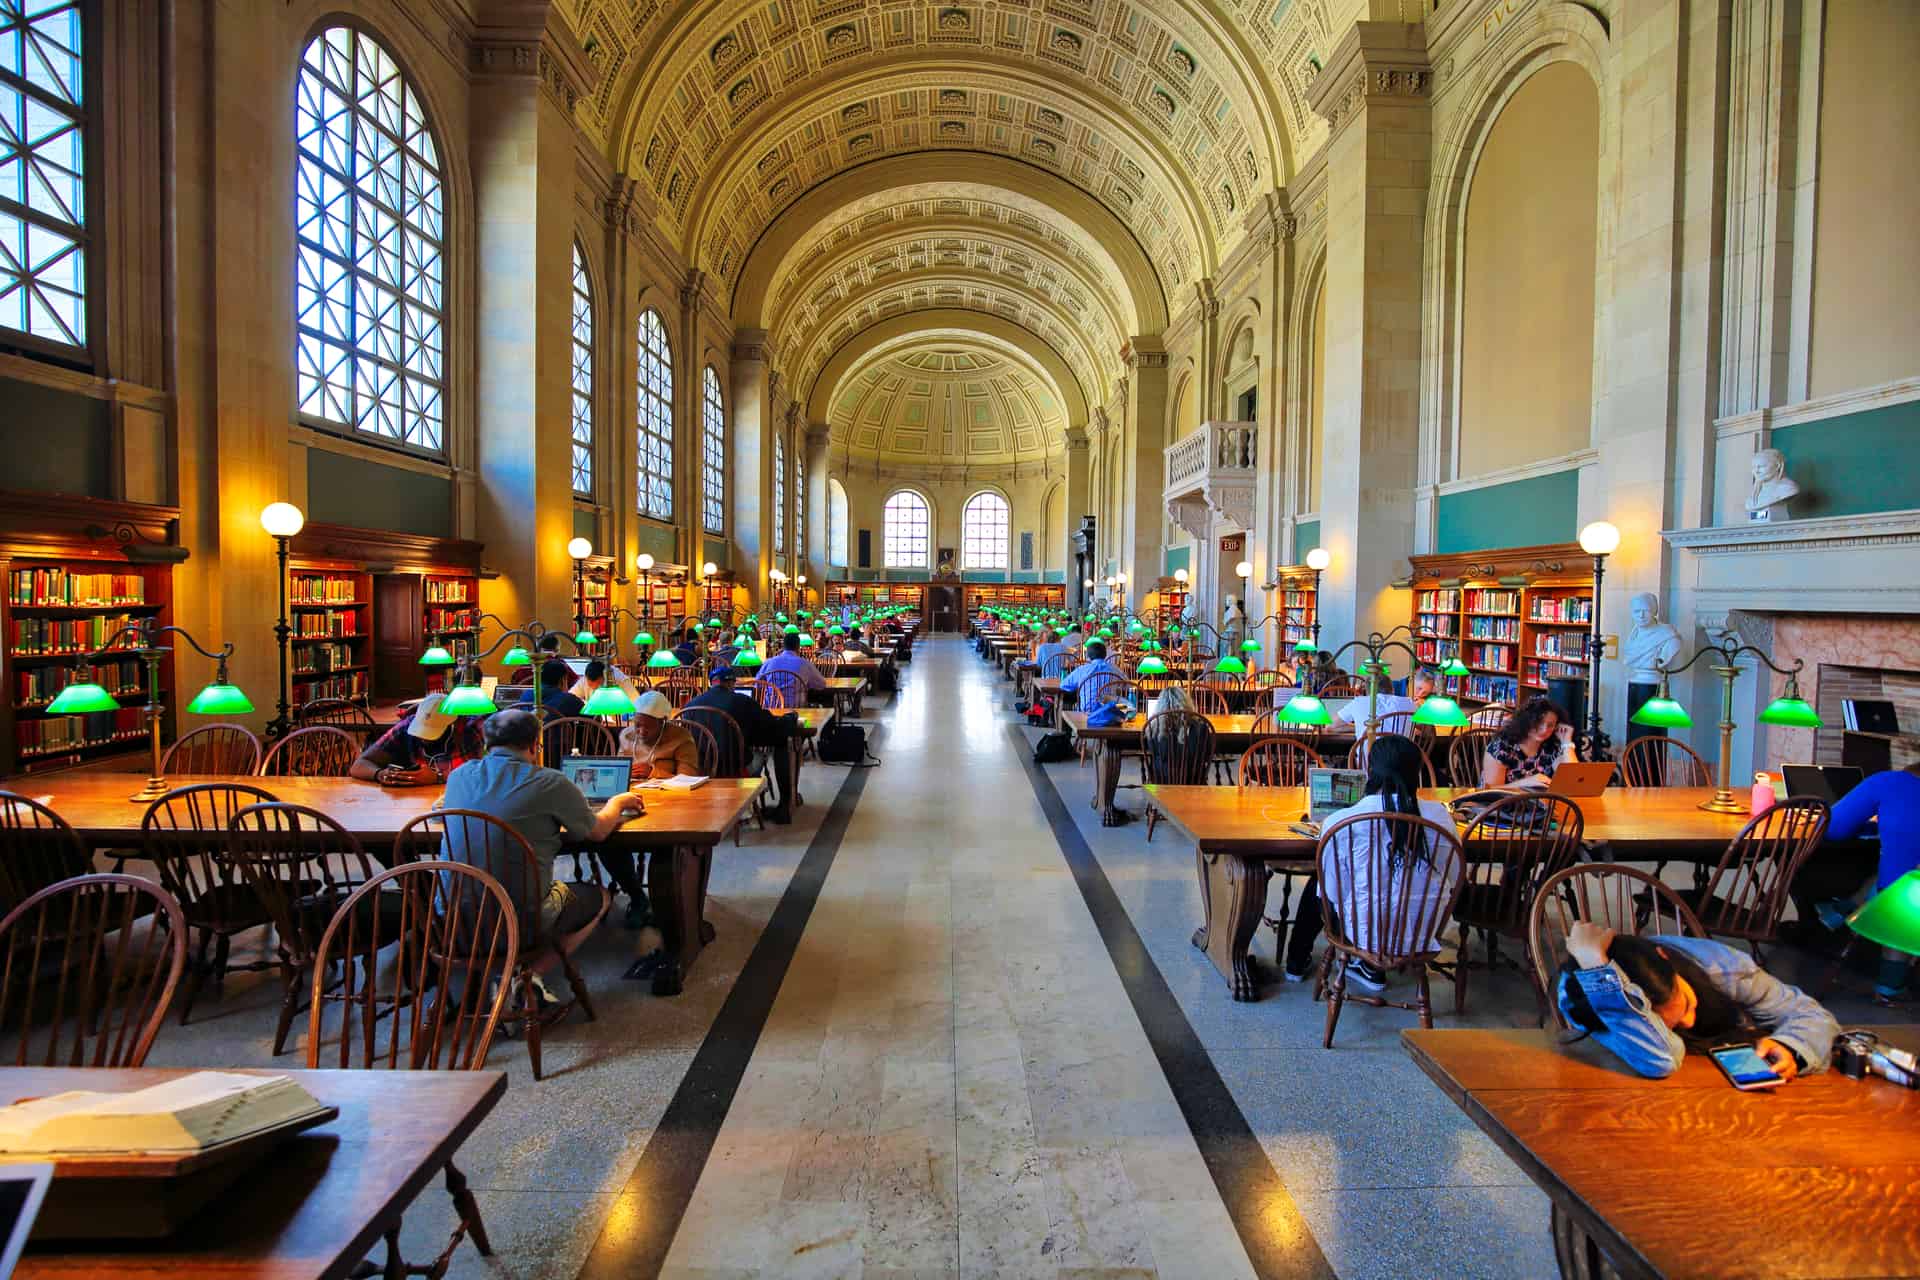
[679, 782]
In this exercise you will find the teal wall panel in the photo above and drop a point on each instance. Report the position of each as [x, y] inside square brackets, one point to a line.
[351, 490]
[1306, 536]
[1176, 558]
[719, 551]
[656, 542]
[1054, 575]
[585, 525]
[1524, 513]
[54, 441]
[1854, 464]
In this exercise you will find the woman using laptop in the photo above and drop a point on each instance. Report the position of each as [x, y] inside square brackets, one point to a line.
[1531, 745]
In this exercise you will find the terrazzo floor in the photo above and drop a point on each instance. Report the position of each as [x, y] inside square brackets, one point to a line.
[951, 1079]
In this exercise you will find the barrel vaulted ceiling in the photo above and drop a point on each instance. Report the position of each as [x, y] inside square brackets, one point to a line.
[950, 403]
[1125, 143]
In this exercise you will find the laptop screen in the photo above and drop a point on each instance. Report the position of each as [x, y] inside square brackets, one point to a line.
[1821, 782]
[22, 1188]
[600, 778]
[1330, 790]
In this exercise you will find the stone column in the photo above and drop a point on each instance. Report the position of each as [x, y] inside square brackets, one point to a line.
[525, 85]
[1144, 462]
[752, 424]
[1374, 93]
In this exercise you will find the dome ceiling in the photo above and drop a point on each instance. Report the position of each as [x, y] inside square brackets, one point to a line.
[944, 404]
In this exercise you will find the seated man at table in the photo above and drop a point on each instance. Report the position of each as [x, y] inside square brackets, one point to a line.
[688, 650]
[764, 732]
[422, 749]
[555, 676]
[1395, 711]
[1648, 998]
[541, 804]
[797, 664]
[594, 677]
[1096, 664]
[1073, 639]
[1050, 646]
[660, 747]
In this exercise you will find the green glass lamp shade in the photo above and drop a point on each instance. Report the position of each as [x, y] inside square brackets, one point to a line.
[468, 700]
[836, 630]
[1440, 710]
[1891, 917]
[1106, 633]
[1136, 626]
[81, 697]
[1792, 712]
[699, 626]
[220, 700]
[1455, 667]
[1662, 713]
[806, 641]
[436, 656]
[1152, 666]
[1305, 645]
[1249, 645]
[584, 636]
[519, 657]
[791, 629]
[1305, 709]
[715, 622]
[1231, 666]
[663, 658]
[779, 617]
[642, 641]
[747, 660]
[608, 700]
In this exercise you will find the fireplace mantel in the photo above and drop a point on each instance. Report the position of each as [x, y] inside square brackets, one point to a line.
[1832, 564]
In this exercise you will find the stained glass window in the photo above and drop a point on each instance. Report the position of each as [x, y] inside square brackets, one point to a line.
[983, 532]
[713, 454]
[582, 376]
[656, 419]
[904, 531]
[779, 494]
[369, 220]
[43, 235]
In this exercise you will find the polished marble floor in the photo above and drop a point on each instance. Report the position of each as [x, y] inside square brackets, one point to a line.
[952, 1026]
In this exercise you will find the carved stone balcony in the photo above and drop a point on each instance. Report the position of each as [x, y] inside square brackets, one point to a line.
[1209, 488]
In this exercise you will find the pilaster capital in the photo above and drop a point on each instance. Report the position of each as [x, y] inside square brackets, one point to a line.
[1207, 299]
[630, 205]
[818, 435]
[750, 346]
[697, 290]
[774, 382]
[524, 38]
[793, 415]
[1146, 351]
[1076, 439]
[1097, 423]
[1374, 62]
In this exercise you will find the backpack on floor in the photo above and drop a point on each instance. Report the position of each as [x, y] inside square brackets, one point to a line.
[845, 744]
[883, 680]
[1039, 713]
[1053, 748]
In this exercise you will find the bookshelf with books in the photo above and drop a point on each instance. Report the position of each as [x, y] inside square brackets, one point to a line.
[330, 608]
[862, 594]
[592, 604]
[1299, 605]
[72, 580]
[1516, 618]
[1170, 597]
[1011, 595]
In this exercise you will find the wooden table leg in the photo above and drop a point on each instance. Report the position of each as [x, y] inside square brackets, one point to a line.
[1233, 893]
[677, 883]
[1106, 777]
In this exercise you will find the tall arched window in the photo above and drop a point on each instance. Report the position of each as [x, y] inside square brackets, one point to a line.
[43, 195]
[904, 531]
[655, 493]
[713, 454]
[779, 494]
[836, 523]
[582, 376]
[369, 303]
[800, 507]
[984, 524]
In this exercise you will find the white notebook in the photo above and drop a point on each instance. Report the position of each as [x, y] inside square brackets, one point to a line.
[678, 782]
[190, 1113]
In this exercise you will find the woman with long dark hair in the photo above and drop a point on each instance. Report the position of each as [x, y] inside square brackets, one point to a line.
[1647, 999]
[1393, 784]
[1534, 742]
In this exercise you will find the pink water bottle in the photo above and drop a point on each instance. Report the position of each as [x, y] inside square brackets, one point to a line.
[1763, 795]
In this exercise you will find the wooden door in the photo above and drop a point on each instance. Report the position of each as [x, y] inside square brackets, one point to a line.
[398, 621]
[944, 605]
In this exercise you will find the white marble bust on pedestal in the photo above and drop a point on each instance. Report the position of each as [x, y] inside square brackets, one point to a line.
[1233, 622]
[1650, 643]
[1772, 487]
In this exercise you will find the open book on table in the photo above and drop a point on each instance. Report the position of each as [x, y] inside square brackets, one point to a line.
[186, 1114]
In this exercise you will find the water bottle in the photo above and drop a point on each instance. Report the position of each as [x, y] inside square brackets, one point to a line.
[1763, 793]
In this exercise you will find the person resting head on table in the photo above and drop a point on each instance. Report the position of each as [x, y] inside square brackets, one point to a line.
[422, 749]
[1647, 999]
[1531, 745]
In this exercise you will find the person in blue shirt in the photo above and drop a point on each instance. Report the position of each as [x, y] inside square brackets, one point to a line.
[555, 696]
[792, 661]
[1096, 664]
[1892, 798]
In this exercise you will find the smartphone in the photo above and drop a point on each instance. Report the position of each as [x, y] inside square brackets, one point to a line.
[1743, 1066]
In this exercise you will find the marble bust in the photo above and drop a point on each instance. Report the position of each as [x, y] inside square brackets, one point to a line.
[1651, 641]
[1233, 621]
[1772, 486]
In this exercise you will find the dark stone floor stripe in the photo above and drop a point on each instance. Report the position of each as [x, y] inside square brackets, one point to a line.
[646, 1216]
[1270, 1225]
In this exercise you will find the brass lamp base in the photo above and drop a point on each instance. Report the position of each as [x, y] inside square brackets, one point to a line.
[1727, 802]
[155, 788]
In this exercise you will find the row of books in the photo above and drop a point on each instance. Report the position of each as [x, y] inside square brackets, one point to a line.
[58, 734]
[1486, 600]
[39, 637]
[441, 618]
[78, 590]
[1493, 689]
[334, 622]
[1493, 628]
[1560, 609]
[1437, 624]
[1438, 600]
[1538, 673]
[449, 591]
[321, 659]
[1299, 600]
[350, 685]
[330, 588]
[1495, 657]
[1571, 645]
[1434, 652]
[38, 685]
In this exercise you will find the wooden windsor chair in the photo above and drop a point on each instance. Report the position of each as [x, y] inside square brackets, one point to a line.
[37, 848]
[227, 749]
[318, 751]
[1663, 762]
[1279, 762]
[1357, 759]
[1624, 899]
[1466, 752]
[1746, 893]
[565, 736]
[342, 712]
[1512, 847]
[1177, 749]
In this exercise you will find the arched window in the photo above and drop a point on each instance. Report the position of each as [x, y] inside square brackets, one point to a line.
[582, 376]
[984, 522]
[836, 523]
[43, 194]
[655, 493]
[800, 507]
[369, 303]
[904, 531]
[713, 454]
[779, 494]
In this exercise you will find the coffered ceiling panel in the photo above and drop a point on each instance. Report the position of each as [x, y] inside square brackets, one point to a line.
[950, 402]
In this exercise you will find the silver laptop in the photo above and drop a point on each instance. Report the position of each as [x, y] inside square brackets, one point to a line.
[22, 1188]
[600, 778]
[1331, 790]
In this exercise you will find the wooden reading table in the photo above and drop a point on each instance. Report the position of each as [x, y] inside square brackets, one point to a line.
[686, 825]
[323, 1198]
[843, 694]
[1688, 1176]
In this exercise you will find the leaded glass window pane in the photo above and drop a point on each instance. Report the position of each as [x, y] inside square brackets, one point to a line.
[904, 531]
[779, 494]
[713, 455]
[43, 172]
[582, 376]
[984, 528]
[656, 419]
[369, 302]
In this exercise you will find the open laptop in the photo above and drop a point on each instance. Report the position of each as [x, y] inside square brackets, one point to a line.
[1821, 781]
[1577, 778]
[600, 778]
[489, 685]
[1331, 790]
[22, 1188]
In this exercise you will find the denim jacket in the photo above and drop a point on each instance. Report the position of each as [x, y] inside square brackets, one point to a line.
[1637, 1036]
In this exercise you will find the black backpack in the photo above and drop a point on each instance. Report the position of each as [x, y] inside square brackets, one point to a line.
[845, 744]
[1053, 748]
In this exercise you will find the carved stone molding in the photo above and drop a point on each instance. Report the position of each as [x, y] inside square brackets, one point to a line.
[1374, 62]
[1232, 503]
[1827, 533]
[750, 344]
[1192, 514]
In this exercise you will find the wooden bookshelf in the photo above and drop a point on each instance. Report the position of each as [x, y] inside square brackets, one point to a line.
[592, 601]
[1170, 603]
[76, 570]
[330, 607]
[1299, 605]
[1516, 617]
[1012, 595]
[911, 594]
